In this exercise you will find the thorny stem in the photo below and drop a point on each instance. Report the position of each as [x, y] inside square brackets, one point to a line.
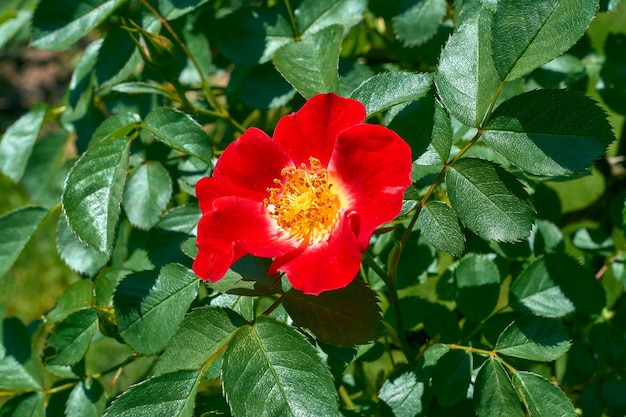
[395, 304]
[292, 20]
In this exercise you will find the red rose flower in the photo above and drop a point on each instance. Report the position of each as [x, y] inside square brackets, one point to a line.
[310, 198]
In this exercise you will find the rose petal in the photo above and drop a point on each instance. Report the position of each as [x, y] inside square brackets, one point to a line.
[214, 258]
[325, 266]
[246, 168]
[373, 165]
[312, 130]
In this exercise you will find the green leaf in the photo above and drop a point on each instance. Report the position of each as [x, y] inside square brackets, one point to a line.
[140, 87]
[147, 193]
[311, 65]
[10, 27]
[149, 309]
[24, 405]
[93, 192]
[81, 82]
[613, 393]
[383, 91]
[493, 393]
[528, 33]
[440, 227]
[269, 369]
[408, 394]
[541, 397]
[490, 201]
[313, 15]
[248, 276]
[19, 368]
[438, 149]
[76, 297]
[556, 285]
[549, 132]
[17, 227]
[477, 281]
[420, 22]
[183, 219]
[117, 126]
[18, 142]
[467, 80]
[173, 9]
[47, 169]
[451, 376]
[344, 317]
[534, 338]
[78, 256]
[201, 336]
[87, 399]
[171, 395]
[179, 131]
[118, 57]
[57, 28]
[70, 339]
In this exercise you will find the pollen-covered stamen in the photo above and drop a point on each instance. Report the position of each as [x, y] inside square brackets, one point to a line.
[304, 203]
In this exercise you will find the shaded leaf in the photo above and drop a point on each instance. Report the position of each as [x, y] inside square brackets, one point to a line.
[466, 79]
[343, 317]
[147, 193]
[171, 395]
[70, 339]
[93, 191]
[179, 131]
[440, 227]
[451, 376]
[18, 142]
[173, 9]
[556, 285]
[490, 201]
[388, 89]
[493, 393]
[202, 335]
[528, 33]
[24, 405]
[149, 309]
[311, 65]
[477, 281]
[269, 369]
[549, 132]
[57, 28]
[248, 276]
[534, 338]
[541, 397]
[17, 228]
[183, 219]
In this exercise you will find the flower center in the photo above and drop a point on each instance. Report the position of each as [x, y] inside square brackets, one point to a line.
[304, 203]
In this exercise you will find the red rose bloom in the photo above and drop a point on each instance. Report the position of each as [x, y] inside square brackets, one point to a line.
[310, 198]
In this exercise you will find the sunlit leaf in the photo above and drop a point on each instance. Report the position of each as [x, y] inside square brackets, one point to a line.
[477, 281]
[10, 27]
[87, 399]
[171, 395]
[76, 254]
[19, 368]
[388, 89]
[534, 338]
[270, 369]
[490, 201]
[420, 22]
[529, 33]
[493, 393]
[559, 132]
[24, 405]
[17, 228]
[451, 376]
[467, 80]
[57, 27]
[179, 131]
[310, 65]
[147, 193]
[201, 335]
[70, 339]
[440, 226]
[18, 142]
[149, 308]
[542, 397]
[93, 192]
[76, 297]
[344, 317]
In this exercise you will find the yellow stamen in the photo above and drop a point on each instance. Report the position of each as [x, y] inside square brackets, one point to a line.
[304, 204]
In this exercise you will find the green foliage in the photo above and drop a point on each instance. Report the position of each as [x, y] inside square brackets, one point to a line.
[498, 290]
